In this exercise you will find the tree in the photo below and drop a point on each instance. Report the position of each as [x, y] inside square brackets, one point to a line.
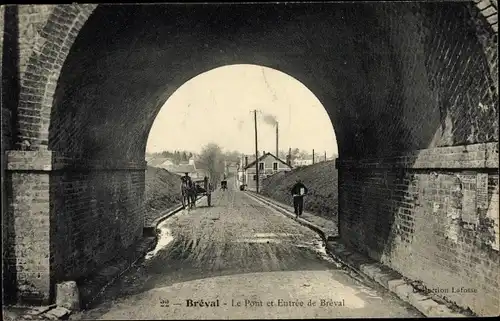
[232, 156]
[282, 155]
[305, 154]
[212, 159]
[184, 157]
[295, 153]
[177, 157]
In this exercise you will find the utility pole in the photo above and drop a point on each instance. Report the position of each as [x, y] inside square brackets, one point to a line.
[277, 140]
[325, 156]
[313, 156]
[256, 153]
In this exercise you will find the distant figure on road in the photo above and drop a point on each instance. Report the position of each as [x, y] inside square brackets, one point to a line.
[298, 192]
[206, 184]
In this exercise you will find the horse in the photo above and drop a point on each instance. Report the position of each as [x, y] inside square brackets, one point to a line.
[189, 194]
[193, 194]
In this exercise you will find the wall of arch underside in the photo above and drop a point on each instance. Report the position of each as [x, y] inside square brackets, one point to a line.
[411, 91]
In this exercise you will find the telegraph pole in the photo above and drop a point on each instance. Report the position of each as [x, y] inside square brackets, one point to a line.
[256, 153]
[313, 156]
[325, 156]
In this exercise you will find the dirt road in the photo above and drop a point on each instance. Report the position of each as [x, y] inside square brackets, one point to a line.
[240, 260]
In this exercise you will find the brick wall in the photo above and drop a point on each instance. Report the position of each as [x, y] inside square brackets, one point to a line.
[41, 57]
[27, 228]
[5, 126]
[10, 78]
[378, 75]
[432, 216]
[2, 23]
[28, 236]
[446, 85]
[32, 19]
[67, 218]
[426, 213]
[489, 11]
[402, 76]
[485, 20]
[96, 215]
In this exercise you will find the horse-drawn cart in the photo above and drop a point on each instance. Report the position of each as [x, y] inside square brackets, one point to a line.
[203, 188]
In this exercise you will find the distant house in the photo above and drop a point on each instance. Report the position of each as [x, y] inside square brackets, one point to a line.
[309, 161]
[302, 162]
[232, 168]
[160, 162]
[200, 174]
[167, 162]
[190, 168]
[268, 164]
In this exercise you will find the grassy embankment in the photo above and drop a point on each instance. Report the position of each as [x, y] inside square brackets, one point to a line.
[162, 189]
[162, 192]
[320, 179]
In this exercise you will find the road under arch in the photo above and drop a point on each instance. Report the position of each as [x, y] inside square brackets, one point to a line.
[402, 83]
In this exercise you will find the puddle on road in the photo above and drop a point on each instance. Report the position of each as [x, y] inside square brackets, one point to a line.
[316, 245]
[258, 240]
[275, 234]
[321, 251]
[265, 238]
[164, 239]
[165, 236]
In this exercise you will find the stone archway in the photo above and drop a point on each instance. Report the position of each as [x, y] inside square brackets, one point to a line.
[395, 79]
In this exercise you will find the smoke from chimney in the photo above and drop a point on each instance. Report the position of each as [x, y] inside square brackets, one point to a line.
[270, 119]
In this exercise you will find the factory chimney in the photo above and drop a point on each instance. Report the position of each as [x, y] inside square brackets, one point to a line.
[277, 139]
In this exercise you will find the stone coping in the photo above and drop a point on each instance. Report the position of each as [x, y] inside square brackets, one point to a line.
[46, 160]
[483, 155]
[453, 157]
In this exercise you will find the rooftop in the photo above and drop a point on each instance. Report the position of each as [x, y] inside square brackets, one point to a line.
[263, 156]
[156, 161]
[182, 168]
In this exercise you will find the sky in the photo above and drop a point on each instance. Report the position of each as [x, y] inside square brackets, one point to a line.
[217, 106]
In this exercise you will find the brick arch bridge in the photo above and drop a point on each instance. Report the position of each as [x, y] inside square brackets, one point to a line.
[411, 90]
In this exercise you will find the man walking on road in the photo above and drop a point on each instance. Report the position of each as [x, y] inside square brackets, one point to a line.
[298, 192]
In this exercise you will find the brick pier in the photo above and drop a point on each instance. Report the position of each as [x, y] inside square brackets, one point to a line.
[68, 217]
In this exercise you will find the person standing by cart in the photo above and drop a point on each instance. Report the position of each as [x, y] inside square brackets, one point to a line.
[299, 190]
[208, 190]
